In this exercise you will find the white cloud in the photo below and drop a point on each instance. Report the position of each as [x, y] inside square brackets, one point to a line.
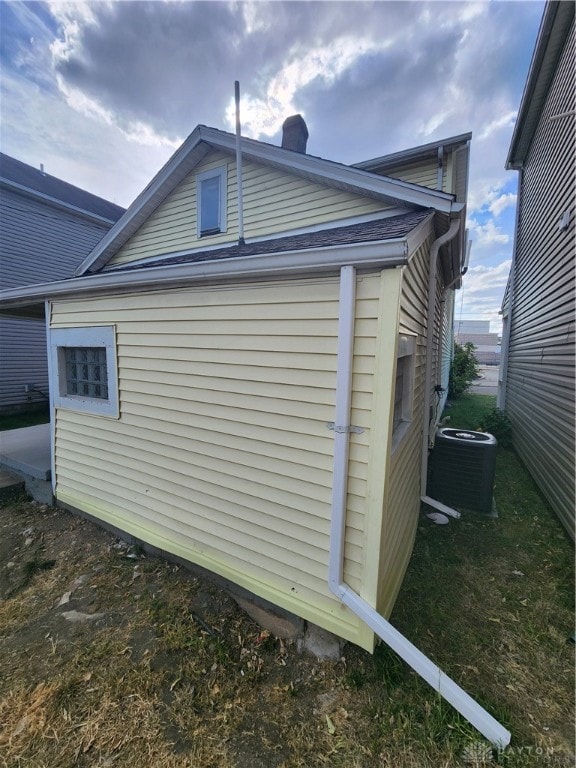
[264, 116]
[482, 293]
[505, 121]
[481, 278]
[488, 234]
[499, 204]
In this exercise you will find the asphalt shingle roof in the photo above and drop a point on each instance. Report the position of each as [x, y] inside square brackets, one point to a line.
[370, 231]
[16, 171]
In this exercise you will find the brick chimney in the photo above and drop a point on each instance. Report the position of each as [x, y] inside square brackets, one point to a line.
[295, 134]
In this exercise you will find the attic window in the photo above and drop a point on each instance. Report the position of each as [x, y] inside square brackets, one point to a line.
[83, 374]
[211, 202]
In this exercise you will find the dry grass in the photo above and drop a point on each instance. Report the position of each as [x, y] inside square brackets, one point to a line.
[169, 672]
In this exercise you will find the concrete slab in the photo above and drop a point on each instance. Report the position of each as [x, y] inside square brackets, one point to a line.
[27, 451]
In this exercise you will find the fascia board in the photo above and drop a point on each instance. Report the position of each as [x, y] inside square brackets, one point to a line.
[389, 253]
[554, 28]
[423, 152]
[175, 170]
[53, 201]
[343, 176]
[418, 235]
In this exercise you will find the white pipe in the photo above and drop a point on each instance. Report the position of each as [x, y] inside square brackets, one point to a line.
[447, 688]
[51, 379]
[239, 166]
[347, 306]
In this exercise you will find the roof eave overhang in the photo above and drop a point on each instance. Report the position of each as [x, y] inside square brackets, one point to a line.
[415, 154]
[554, 28]
[199, 143]
[379, 254]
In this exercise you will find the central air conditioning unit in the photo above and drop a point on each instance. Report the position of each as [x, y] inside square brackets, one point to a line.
[462, 469]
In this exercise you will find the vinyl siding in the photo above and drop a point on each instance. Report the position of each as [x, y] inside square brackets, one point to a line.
[402, 503]
[540, 379]
[40, 243]
[22, 361]
[273, 201]
[447, 347]
[423, 173]
[222, 453]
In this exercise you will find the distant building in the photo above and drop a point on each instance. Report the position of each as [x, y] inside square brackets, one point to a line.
[47, 227]
[486, 344]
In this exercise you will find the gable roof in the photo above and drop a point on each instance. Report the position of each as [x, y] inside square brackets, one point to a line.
[556, 22]
[23, 178]
[415, 154]
[204, 139]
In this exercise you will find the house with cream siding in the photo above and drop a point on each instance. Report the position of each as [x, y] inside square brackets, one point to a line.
[247, 373]
[47, 227]
[227, 397]
[537, 373]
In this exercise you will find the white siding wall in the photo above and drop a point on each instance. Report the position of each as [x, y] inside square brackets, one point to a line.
[222, 453]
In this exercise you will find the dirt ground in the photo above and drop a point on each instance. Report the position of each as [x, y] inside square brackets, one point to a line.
[110, 658]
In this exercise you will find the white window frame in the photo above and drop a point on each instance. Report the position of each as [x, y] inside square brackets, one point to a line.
[222, 174]
[406, 352]
[95, 336]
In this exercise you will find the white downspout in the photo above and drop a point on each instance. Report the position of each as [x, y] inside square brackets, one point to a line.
[453, 230]
[52, 378]
[447, 688]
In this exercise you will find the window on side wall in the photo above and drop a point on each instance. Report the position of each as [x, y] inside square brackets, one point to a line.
[83, 374]
[211, 202]
[404, 388]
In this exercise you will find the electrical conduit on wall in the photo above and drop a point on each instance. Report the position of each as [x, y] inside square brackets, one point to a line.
[447, 688]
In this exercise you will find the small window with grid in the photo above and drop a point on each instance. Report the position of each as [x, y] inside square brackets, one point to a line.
[83, 367]
[86, 372]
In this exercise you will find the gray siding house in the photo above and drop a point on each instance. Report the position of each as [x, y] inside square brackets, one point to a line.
[537, 373]
[47, 227]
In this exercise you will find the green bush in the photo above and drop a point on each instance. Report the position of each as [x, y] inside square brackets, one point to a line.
[498, 424]
[464, 369]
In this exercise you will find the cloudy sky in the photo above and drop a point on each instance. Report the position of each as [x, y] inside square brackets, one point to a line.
[103, 92]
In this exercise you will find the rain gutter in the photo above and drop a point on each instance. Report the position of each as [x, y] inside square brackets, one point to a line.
[445, 686]
[389, 253]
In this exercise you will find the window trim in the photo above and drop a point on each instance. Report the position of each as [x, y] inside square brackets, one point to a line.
[95, 336]
[406, 348]
[222, 175]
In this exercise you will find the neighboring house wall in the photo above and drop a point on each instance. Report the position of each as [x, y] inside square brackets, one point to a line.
[40, 241]
[274, 202]
[539, 395]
